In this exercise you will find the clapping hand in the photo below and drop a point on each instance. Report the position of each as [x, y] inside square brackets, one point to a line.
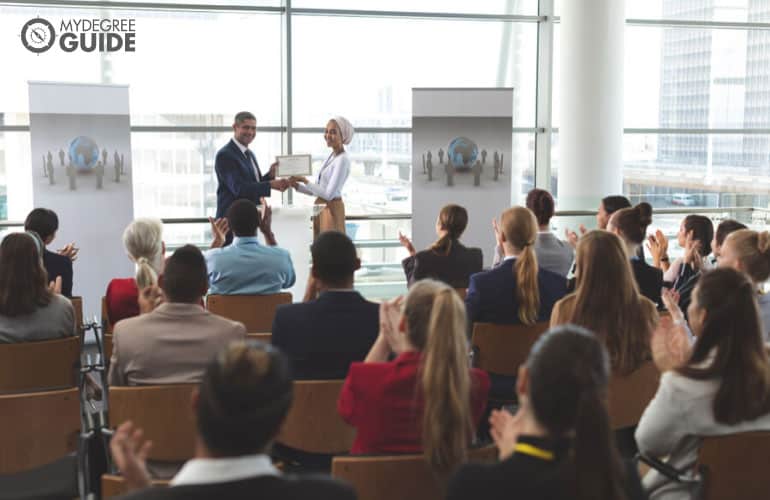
[219, 229]
[505, 429]
[669, 344]
[149, 298]
[692, 254]
[658, 246]
[130, 455]
[70, 251]
[407, 243]
[55, 285]
[390, 318]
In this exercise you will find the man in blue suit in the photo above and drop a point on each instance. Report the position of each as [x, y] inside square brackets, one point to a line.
[237, 170]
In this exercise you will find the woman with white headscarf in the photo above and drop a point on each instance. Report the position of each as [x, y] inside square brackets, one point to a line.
[331, 178]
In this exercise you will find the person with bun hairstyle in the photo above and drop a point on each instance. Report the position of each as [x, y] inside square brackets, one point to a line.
[749, 252]
[630, 224]
[559, 444]
[426, 400]
[718, 386]
[518, 290]
[447, 259]
[607, 301]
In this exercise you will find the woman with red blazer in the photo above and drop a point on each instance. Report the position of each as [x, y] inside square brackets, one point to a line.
[426, 400]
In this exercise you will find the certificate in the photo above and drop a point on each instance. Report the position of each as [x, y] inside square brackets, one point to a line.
[293, 165]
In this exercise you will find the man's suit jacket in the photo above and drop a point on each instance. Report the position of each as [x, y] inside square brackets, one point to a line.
[491, 296]
[649, 279]
[262, 487]
[237, 179]
[59, 265]
[171, 345]
[322, 337]
[454, 269]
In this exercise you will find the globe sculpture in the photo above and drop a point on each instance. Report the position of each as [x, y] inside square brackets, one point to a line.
[84, 153]
[463, 152]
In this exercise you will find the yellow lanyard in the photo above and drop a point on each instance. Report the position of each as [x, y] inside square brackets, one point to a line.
[528, 449]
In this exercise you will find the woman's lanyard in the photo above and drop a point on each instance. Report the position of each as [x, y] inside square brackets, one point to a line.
[533, 451]
[323, 167]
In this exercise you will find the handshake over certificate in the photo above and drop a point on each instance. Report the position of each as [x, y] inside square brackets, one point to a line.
[285, 183]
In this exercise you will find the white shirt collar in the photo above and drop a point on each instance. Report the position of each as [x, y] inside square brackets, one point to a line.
[223, 470]
[509, 257]
[240, 146]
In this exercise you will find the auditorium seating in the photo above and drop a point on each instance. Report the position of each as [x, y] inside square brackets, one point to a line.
[106, 325]
[502, 348]
[735, 466]
[48, 364]
[256, 312]
[114, 485]
[629, 395]
[405, 477]
[77, 306]
[261, 337]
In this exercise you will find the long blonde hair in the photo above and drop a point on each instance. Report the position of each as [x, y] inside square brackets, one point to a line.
[435, 317]
[519, 226]
[753, 251]
[143, 239]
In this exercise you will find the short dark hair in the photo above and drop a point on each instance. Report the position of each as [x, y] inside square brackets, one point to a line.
[242, 116]
[726, 227]
[185, 277]
[334, 258]
[541, 203]
[243, 217]
[245, 395]
[43, 221]
[615, 202]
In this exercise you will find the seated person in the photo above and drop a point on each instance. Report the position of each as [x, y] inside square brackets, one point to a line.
[718, 386]
[30, 308]
[559, 444]
[518, 290]
[426, 400]
[45, 223]
[447, 259]
[724, 228]
[246, 267]
[239, 408]
[172, 343]
[322, 337]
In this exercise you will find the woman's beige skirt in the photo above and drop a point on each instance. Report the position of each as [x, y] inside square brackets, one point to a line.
[331, 218]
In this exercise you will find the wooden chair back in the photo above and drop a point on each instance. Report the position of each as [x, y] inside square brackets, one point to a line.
[38, 428]
[406, 477]
[262, 337]
[462, 292]
[106, 325]
[77, 306]
[115, 486]
[48, 364]
[629, 395]
[502, 348]
[107, 340]
[256, 312]
[165, 414]
[735, 466]
[313, 424]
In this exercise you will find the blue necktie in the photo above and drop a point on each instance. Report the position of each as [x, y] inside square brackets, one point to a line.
[253, 163]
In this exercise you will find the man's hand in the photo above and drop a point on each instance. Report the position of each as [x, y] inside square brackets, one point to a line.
[280, 184]
[219, 229]
[70, 251]
[55, 285]
[130, 455]
[149, 298]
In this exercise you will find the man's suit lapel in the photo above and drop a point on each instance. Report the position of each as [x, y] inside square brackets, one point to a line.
[243, 162]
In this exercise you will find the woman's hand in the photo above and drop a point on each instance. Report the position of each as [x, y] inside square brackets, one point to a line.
[670, 298]
[70, 251]
[505, 429]
[149, 298]
[658, 247]
[55, 285]
[130, 455]
[297, 179]
[572, 237]
[407, 243]
[692, 254]
[669, 344]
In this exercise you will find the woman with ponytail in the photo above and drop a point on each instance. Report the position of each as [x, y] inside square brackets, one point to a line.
[607, 301]
[447, 259]
[720, 385]
[518, 290]
[630, 224]
[426, 400]
[559, 445]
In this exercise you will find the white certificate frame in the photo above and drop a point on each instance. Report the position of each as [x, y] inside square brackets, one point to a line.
[289, 165]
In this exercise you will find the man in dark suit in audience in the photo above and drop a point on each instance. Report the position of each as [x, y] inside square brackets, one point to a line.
[45, 223]
[240, 405]
[322, 337]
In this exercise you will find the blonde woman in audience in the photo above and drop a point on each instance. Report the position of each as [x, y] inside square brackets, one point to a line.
[30, 308]
[720, 385]
[426, 399]
[607, 301]
[749, 252]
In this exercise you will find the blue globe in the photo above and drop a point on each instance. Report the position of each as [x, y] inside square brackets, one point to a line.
[463, 152]
[84, 153]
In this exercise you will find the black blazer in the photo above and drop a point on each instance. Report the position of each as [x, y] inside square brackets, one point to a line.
[236, 178]
[261, 487]
[649, 279]
[322, 337]
[59, 265]
[525, 477]
[454, 269]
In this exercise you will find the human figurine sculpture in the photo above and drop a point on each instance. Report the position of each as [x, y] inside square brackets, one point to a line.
[477, 173]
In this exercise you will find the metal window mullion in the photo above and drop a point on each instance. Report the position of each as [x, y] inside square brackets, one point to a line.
[544, 96]
[159, 6]
[677, 23]
[460, 16]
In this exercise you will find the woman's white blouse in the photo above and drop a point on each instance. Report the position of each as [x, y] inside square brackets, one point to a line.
[330, 179]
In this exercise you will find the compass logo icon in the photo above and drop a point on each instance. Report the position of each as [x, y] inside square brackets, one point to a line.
[38, 35]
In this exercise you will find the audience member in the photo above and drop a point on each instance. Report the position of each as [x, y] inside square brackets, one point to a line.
[559, 444]
[607, 206]
[630, 224]
[552, 253]
[30, 309]
[724, 228]
[245, 267]
[322, 337]
[447, 259]
[172, 343]
[239, 408]
[426, 399]
[721, 385]
[45, 223]
[516, 291]
[749, 252]
[607, 301]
